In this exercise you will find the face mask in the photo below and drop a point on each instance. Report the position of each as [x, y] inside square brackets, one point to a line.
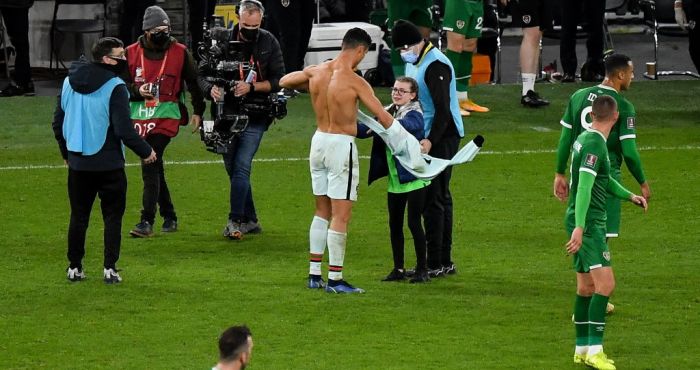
[249, 34]
[409, 56]
[160, 38]
[118, 68]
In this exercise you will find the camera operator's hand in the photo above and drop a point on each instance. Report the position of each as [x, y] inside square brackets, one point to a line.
[196, 121]
[241, 89]
[216, 93]
[151, 158]
[145, 91]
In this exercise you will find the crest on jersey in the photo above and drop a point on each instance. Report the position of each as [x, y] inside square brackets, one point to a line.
[630, 123]
[460, 24]
[591, 160]
[285, 3]
[606, 255]
[526, 19]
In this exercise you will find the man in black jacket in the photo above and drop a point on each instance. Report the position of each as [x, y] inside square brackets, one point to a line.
[91, 122]
[437, 94]
[15, 13]
[263, 52]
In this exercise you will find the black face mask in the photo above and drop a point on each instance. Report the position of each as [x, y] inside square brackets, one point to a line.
[118, 68]
[250, 34]
[160, 38]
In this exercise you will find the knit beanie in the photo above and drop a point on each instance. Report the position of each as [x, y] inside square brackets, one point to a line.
[154, 17]
[405, 34]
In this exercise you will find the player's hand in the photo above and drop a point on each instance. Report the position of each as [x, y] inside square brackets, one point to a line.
[425, 146]
[646, 191]
[681, 19]
[640, 201]
[145, 91]
[216, 93]
[196, 122]
[241, 89]
[561, 187]
[151, 158]
[576, 240]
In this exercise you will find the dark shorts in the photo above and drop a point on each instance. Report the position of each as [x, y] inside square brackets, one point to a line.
[531, 13]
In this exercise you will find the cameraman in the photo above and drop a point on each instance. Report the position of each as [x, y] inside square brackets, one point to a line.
[263, 52]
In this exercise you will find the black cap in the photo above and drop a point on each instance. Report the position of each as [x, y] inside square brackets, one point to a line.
[405, 34]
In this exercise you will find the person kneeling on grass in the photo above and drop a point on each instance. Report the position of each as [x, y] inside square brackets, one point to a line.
[404, 189]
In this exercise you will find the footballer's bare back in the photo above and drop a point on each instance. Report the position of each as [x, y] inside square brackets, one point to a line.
[333, 88]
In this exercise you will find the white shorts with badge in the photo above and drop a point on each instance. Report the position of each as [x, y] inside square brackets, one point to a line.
[334, 165]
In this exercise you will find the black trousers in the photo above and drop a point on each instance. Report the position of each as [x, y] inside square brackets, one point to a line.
[83, 186]
[155, 188]
[17, 24]
[397, 203]
[132, 20]
[593, 12]
[198, 10]
[438, 208]
[292, 26]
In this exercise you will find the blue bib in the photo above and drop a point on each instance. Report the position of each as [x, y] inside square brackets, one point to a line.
[86, 117]
[426, 100]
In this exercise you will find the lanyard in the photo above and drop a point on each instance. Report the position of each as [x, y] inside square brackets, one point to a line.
[162, 65]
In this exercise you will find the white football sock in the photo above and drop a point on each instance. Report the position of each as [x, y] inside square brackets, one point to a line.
[318, 233]
[594, 349]
[528, 82]
[581, 350]
[462, 96]
[336, 254]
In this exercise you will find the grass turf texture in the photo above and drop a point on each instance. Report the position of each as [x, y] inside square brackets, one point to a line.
[509, 306]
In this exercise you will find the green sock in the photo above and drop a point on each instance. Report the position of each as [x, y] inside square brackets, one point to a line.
[458, 65]
[581, 306]
[466, 61]
[596, 317]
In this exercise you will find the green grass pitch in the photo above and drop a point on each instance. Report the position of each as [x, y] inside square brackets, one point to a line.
[509, 307]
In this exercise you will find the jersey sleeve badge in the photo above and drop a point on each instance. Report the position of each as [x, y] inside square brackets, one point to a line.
[591, 160]
[630, 123]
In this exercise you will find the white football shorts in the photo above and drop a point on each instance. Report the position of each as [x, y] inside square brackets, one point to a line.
[334, 165]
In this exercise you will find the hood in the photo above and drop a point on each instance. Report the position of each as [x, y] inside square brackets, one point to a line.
[86, 77]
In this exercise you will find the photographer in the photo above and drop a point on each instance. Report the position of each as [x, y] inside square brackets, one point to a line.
[159, 69]
[261, 52]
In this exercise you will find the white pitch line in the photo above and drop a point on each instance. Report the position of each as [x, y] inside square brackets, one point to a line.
[483, 152]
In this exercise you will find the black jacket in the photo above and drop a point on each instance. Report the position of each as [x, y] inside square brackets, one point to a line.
[267, 54]
[16, 3]
[85, 78]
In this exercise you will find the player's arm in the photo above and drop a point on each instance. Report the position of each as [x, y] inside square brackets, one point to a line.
[630, 154]
[298, 80]
[619, 191]
[586, 178]
[561, 186]
[367, 97]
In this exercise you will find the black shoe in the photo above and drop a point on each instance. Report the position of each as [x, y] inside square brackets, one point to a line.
[16, 90]
[450, 269]
[410, 273]
[142, 229]
[169, 226]
[438, 272]
[395, 275]
[420, 276]
[568, 77]
[533, 100]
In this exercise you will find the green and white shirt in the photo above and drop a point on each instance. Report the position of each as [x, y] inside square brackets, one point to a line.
[590, 154]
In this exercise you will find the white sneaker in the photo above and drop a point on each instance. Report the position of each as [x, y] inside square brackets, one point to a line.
[112, 276]
[75, 274]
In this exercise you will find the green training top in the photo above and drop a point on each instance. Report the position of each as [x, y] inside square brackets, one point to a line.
[577, 119]
[395, 186]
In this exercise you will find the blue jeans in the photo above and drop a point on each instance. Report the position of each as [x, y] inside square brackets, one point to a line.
[239, 162]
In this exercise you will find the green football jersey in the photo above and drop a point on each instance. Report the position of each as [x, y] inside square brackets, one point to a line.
[590, 154]
[577, 118]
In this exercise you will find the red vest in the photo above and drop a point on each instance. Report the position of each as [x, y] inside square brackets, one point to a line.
[169, 114]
